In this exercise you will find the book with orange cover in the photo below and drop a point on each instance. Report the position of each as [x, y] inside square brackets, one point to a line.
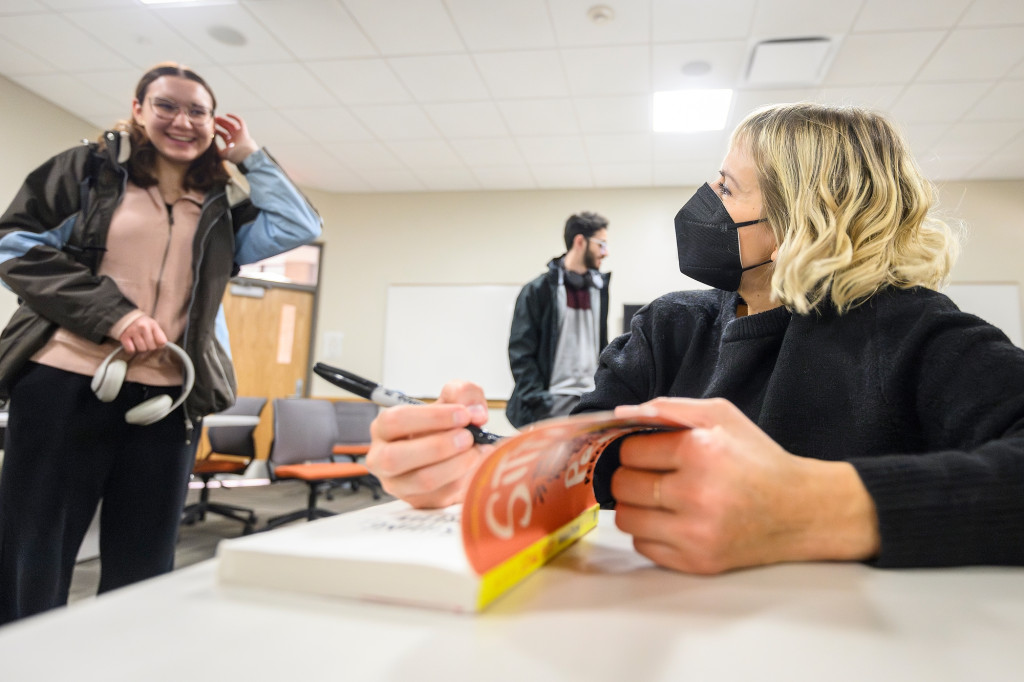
[529, 500]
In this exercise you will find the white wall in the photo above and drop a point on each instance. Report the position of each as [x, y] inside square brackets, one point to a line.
[32, 131]
[372, 241]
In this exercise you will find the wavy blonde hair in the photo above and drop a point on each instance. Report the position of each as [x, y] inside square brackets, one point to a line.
[848, 205]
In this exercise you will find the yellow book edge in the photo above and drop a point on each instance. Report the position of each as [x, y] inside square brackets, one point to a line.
[513, 570]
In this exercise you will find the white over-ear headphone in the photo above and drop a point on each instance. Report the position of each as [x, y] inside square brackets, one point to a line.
[106, 384]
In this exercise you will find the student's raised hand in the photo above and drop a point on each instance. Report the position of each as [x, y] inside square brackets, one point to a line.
[238, 144]
[723, 495]
[423, 454]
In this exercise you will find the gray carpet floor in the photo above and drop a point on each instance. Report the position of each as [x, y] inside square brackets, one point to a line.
[198, 542]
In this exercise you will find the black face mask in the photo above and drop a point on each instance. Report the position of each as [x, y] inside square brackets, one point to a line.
[709, 247]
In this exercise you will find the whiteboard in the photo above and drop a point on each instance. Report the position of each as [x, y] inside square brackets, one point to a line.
[997, 304]
[436, 333]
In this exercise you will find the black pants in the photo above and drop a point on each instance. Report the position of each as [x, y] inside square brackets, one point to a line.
[65, 451]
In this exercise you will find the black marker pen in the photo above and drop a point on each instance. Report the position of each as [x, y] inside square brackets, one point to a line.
[385, 397]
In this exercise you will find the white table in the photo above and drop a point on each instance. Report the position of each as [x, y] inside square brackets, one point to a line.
[598, 612]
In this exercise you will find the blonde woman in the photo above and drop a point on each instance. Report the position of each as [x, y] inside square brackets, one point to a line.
[841, 408]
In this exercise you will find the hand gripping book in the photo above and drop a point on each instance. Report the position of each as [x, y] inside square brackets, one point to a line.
[530, 499]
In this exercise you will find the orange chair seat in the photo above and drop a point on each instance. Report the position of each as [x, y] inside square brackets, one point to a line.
[321, 471]
[354, 450]
[217, 466]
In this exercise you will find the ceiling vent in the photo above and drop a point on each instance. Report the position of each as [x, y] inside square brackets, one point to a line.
[789, 61]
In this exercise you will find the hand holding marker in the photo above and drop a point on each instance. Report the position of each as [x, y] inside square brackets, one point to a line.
[385, 397]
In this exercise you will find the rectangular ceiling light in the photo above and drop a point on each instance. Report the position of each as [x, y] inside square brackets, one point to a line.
[794, 61]
[687, 111]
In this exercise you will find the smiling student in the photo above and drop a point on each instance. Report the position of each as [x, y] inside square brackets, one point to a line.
[126, 244]
[841, 407]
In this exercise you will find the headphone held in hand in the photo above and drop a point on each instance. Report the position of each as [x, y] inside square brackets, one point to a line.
[107, 381]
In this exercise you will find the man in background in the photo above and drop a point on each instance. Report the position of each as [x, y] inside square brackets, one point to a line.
[560, 326]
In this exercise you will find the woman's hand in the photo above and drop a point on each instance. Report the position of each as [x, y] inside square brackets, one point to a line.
[238, 144]
[723, 495]
[142, 335]
[423, 453]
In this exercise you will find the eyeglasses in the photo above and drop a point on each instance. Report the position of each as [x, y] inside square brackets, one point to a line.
[601, 244]
[166, 110]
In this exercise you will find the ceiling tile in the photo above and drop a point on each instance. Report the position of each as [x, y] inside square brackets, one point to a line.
[529, 93]
[333, 35]
[231, 94]
[75, 4]
[968, 138]
[328, 124]
[512, 75]
[937, 102]
[74, 95]
[505, 177]
[879, 58]
[201, 24]
[976, 53]
[800, 18]
[57, 41]
[361, 81]
[413, 27]
[467, 119]
[519, 25]
[901, 15]
[685, 21]
[309, 164]
[556, 149]
[21, 7]
[393, 180]
[440, 78]
[396, 122]
[17, 61]
[613, 149]
[631, 23]
[725, 60]
[746, 101]
[684, 173]
[676, 147]
[144, 39]
[283, 84]
[425, 153]
[630, 114]
[608, 70]
[921, 136]
[501, 151]
[563, 175]
[994, 13]
[365, 155]
[623, 175]
[879, 98]
[1005, 101]
[944, 167]
[540, 117]
[447, 179]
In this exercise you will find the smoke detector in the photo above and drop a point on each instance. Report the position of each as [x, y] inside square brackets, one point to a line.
[600, 14]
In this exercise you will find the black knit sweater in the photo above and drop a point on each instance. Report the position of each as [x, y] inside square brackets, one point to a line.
[926, 402]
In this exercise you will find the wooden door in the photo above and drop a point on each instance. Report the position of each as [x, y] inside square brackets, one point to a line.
[270, 346]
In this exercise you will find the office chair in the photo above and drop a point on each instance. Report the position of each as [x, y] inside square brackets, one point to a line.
[238, 442]
[354, 418]
[305, 432]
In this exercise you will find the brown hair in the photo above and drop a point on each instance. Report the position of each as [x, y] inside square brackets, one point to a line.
[204, 173]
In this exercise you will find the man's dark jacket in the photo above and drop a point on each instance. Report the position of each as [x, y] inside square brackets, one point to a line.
[533, 341]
